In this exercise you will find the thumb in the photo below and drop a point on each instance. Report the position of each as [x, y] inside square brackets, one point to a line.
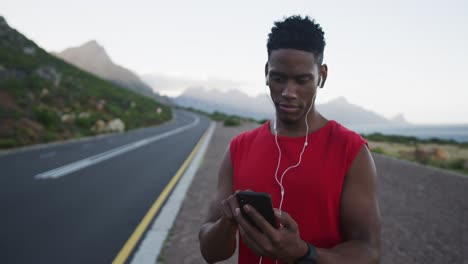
[285, 220]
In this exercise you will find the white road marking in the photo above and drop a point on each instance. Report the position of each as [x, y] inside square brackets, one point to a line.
[81, 164]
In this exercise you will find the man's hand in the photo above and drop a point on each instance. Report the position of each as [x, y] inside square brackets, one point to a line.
[228, 208]
[284, 243]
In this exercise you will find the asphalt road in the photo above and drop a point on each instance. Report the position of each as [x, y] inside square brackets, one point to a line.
[87, 215]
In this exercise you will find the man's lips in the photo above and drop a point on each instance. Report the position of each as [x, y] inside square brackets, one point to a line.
[288, 108]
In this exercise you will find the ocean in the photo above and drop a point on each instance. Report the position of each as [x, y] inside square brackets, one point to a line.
[456, 132]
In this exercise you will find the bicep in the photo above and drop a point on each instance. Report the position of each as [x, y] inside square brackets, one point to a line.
[359, 211]
[223, 189]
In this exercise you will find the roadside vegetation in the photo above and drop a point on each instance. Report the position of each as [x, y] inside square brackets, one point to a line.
[445, 154]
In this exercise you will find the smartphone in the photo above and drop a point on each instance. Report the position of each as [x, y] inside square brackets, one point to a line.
[261, 202]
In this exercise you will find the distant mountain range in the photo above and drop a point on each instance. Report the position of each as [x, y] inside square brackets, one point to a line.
[261, 107]
[347, 113]
[231, 102]
[93, 58]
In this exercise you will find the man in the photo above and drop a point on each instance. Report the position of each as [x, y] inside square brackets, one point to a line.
[320, 175]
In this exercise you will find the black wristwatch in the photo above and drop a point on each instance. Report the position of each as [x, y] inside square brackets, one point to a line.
[310, 257]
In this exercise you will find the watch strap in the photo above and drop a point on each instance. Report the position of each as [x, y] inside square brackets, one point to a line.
[310, 257]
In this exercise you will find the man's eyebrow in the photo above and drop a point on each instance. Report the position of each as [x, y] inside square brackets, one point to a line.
[273, 72]
[308, 75]
[305, 75]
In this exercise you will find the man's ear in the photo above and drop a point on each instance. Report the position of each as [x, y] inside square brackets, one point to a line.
[323, 74]
[266, 73]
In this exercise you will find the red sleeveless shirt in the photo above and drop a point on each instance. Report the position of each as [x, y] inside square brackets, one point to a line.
[312, 190]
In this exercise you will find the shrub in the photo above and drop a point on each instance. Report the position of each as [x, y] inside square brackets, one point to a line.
[46, 117]
[456, 164]
[8, 142]
[232, 121]
[218, 116]
[378, 150]
[50, 136]
[85, 123]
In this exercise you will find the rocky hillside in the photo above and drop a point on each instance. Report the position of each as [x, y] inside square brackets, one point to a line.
[43, 98]
[93, 58]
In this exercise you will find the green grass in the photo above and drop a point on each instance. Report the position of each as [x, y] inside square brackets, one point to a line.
[378, 150]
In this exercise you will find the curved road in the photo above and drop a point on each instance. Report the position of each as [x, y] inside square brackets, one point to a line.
[85, 213]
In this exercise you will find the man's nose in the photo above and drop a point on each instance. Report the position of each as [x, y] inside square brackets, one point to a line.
[290, 90]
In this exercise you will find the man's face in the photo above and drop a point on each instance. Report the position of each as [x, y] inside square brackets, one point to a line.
[292, 76]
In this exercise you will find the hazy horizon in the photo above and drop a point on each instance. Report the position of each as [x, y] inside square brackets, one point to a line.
[390, 57]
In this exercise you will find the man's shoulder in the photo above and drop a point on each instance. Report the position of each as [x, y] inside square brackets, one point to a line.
[251, 134]
[347, 143]
[340, 132]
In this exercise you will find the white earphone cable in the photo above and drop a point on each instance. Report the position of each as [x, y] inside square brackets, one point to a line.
[280, 182]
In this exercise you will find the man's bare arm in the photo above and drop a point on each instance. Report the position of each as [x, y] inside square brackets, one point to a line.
[218, 232]
[360, 216]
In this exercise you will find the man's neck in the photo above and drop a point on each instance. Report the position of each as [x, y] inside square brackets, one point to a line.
[298, 129]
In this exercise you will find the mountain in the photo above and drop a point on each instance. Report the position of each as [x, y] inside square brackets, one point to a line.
[261, 107]
[343, 111]
[93, 58]
[231, 102]
[43, 98]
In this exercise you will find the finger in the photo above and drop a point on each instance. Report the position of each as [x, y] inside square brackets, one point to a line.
[261, 247]
[278, 217]
[233, 205]
[249, 229]
[262, 223]
[226, 210]
[252, 244]
[286, 220]
[264, 246]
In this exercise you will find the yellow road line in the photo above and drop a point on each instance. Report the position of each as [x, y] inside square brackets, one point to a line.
[141, 228]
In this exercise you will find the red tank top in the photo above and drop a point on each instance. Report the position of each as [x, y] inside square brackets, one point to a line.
[312, 190]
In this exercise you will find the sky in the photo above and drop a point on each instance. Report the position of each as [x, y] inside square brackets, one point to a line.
[390, 57]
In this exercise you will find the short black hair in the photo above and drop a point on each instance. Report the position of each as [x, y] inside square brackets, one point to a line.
[299, 33]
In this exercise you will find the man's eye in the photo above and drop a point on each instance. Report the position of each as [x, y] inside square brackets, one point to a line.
[278, 79]
[302, 80]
